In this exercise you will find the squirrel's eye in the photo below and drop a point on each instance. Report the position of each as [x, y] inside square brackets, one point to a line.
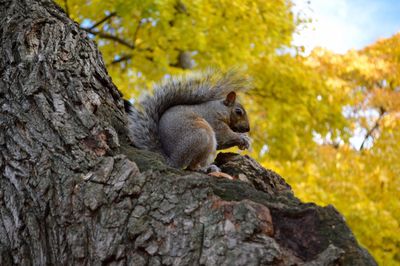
[239, 111]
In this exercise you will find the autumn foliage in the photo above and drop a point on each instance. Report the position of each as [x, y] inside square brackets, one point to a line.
[329, 123]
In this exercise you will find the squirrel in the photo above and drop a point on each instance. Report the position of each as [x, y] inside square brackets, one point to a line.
[188, 119]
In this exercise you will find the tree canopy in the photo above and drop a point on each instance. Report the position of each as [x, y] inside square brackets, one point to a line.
[328, 122]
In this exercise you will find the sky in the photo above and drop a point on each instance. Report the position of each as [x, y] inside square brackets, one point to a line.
[340, 25]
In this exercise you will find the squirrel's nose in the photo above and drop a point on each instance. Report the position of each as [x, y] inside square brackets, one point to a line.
[242, 128]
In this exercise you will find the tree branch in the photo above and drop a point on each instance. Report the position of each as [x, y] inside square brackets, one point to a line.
[103, 20]
[375, 127]
[136, 31]
[121, 59]
[66, 7]
[110, 37]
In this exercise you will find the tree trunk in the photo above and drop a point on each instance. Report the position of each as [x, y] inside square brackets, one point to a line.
[72, 190]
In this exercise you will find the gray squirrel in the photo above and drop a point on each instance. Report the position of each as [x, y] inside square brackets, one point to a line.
[188, 119]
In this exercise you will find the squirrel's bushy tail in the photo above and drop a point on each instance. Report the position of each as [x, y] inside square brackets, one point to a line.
[186, 90]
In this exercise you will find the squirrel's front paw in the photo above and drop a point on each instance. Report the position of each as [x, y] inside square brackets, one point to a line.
[244, 141]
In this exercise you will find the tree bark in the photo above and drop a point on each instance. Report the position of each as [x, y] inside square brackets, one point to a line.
[61, 118]
[73, 192]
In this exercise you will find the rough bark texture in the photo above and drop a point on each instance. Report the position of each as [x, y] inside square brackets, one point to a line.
[73, 192]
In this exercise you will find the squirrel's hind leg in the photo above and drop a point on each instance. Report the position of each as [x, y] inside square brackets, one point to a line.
[189, 143]
[205, 147]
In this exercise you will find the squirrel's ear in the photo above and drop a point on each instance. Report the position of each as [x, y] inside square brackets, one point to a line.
[230, 98]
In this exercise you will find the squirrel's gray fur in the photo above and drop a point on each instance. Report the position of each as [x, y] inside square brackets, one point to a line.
[188, 92]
